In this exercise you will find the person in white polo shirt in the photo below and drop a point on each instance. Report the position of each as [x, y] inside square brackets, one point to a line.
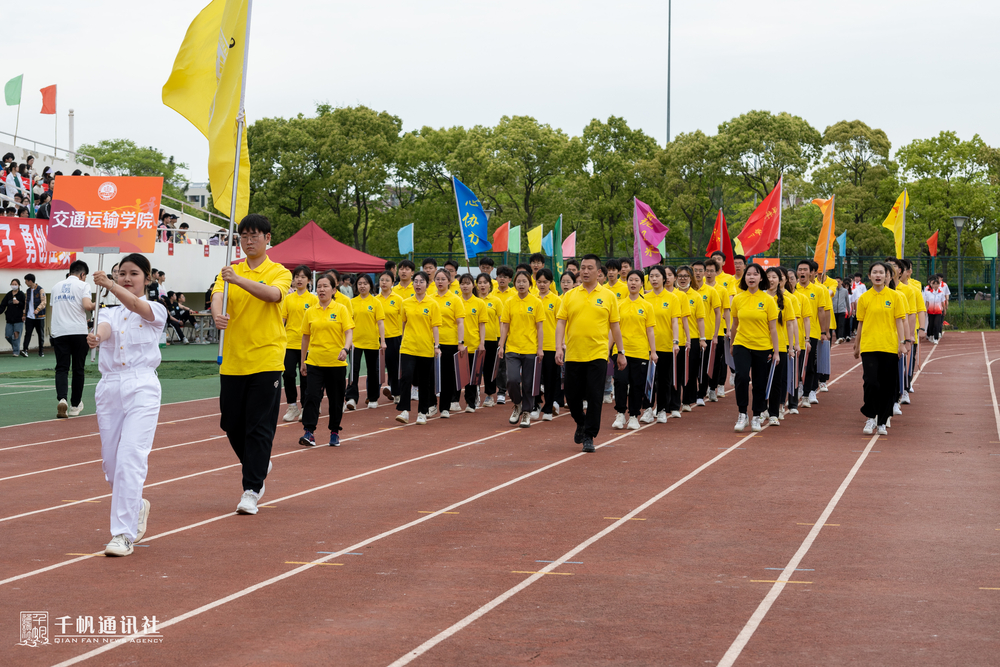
[70, 303]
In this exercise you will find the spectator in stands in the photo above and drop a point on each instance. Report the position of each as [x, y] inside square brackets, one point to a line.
[23, 212]
[44, 209]
[153, 288]
[11, 179]
[7, 159]
[77, 172]
[161, 278]
[181, 236]
[173, 321]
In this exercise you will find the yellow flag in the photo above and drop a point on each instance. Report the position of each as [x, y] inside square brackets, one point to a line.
[895, 220]
[825, 251]
[535, 239]
[205, 86]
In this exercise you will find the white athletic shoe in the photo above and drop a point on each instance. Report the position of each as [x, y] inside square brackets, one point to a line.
[585, 405]
[905, 400]
[882, 430]
[773, 421]
[525, 420]
[619, 422]
[351, 404]
[536, 414]
[515, 414]
[685, 407]
[414, 394]
[455, 407]
[755, 425]
[793, 410]
[896, 410]
[421, 418]
[700, 402]
[633, 424]
[445, 414]
[62, 408]
[372, 405]
[869, 427]
[720, 392]
[489, 402]
[822, 386]
[712, 396]
[782, 411]
[119, 545]
[403, 416]
[812, 398]
[608, 399]
[555, 408]
[648, 417]
[547, 417]
[661, 417]
[143, 520]
[433, 410]
[248, 502]
[291, 414]
[501, 399]
[741, 423]
[765, 415]
[804, 402]
[676, 414]
[469, 408]
[75, 410]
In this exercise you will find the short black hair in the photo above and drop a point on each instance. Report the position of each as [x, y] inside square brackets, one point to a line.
[765, 282]
[303, 269]
[807, 262]
[544, 273]
[76, 172]
[636, 272]
[537, 257]
[813, 265]
[368, 279]
[522, 267]
[698, 262]
[407, 264]
[79, 266]
[613, 264]
[255, 222]
[485, 261]
[622, 261]
[29, 276]
[451, 262]
[593, 257]
[504, 270]
[743, 257]
[904, 264]
[389, 265]
[429, 260]
[572, 262]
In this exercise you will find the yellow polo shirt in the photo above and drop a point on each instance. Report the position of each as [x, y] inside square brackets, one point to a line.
[494, 308]
[711, 300]
[550, 308]
[367, 313]
[475, 314]
[878, 312]
[523, 316]
[588, 317]
[696, 311]
[813, 294]
[452, 308]
[787, 315]
[327, 330]
[683, 313]
[725, 302]
[293, 311]
[255, 339]
[802, 315]
[635, 316]
[405, 292]
[754, 311]
[666, 308]
[620, 289]
[419, 319]
[392, 309]
[344, 301]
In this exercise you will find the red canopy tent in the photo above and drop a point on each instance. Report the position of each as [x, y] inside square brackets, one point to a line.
[320, 252]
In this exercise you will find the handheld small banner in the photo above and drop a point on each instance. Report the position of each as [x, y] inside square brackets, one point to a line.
[437, 373]
[729, 356]
[477, 367]
[711, 358]
[790, 374]
[650, 380]
[687, 363]
[770, 379]
[113, 211]
[823, 357]
[461, 371]
[381, 368]
[676, 354]
[536, 379]
[496, 367]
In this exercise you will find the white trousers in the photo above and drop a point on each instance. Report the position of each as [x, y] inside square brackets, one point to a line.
[128, 406]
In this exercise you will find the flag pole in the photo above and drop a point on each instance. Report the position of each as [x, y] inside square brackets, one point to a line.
[458, 210]
[240, 122]
[17, 122]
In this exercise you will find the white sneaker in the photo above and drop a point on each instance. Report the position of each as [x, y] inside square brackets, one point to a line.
[741, 423]
[585, 405]
[804, 402]
[143, 520]
[75, 410]
[421, 418]
[489, 402]
[755, 425]
[515, 414]
[720, 392]
[685, 407]
[455, 407]
[432, 411]
[351, 404]
[608, 400]
[525, 420]
[248, 502]
[119, 545]
[469, 408]
[414, 394]
[869, 427]
[822, 386]
[773, 421]
[888, 422]
[372, 405]
[896, 410]
[445, 414]
[793, 410]
[812, 398]
[619, 422]
[676, 414]
[501, 399]
[882, 430]
[782, 411]
[661, 417]
[555, 408]
[700, 402]
[905, 400]
[633, 424]
[648, 417]
[62, 408]
[547, 417]
[403, 416]
[765, 415]
[291, 414]
[536, 414]
[712, 396]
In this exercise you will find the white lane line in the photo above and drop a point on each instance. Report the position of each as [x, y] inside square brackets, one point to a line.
[32, 444]
[569, 555]
[993, 392]
[787, 574]
[232, 514]
[35, 391]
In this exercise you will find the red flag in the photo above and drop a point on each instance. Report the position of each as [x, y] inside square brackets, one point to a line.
[720, 241]
[764, 225]
[49, 99]
[932, 244]
[500, 237]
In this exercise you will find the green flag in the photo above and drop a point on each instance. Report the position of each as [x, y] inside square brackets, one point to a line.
[557, 249]
[514, 240]
[989, 245]
[12, 91]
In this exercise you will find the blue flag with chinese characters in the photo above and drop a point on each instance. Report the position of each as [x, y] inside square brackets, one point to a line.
[471, 220]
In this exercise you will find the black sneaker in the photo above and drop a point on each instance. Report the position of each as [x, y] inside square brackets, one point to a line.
[578, 436]
[588, 445]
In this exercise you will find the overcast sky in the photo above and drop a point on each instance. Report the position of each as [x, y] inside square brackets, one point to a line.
[911, 68]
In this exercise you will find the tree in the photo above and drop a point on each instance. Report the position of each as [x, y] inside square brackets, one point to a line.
[122, 157]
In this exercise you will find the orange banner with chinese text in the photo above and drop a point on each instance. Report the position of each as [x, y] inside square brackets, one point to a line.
[105, 211]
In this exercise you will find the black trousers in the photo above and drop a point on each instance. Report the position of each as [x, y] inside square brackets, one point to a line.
[521, 379]
[719, 376]
[249, 406]
[489, 381]
[471, 389]
[779, 386]
[881, 384]
[392, 363]
[71, 349]
[705, 381]
[751, 365]
[551, 381]
[293, 364]
[841, 319]
[373, 385]
[674, 403]
[630, 386]
[934, 326]
[416, 372]
[811, 382]
[911, 365]
[694, 362]
[177, 328]
[331, 378]
[585, 382]
[449, 392]
[664, 388]
[37, 324]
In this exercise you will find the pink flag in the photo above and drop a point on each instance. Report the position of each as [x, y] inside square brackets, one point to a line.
[569, 246]
[648, 233]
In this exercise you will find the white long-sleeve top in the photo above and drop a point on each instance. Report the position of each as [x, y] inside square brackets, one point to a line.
[134, 343]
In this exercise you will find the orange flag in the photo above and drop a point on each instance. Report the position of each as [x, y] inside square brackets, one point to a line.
[764, 225]
[932, 244]
[500, 237]
[825, 255]
[49, 99]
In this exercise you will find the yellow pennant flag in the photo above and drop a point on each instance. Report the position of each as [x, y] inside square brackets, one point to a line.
[205, 86]
[896, 220]
[535, 239]
[826, 255]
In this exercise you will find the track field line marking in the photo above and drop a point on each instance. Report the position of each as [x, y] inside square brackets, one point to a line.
[272, 502]
[565, 574]
[777, 581]
[993, 391]
[35, 391]
[786, 575]
[45, 442]
[497, 601]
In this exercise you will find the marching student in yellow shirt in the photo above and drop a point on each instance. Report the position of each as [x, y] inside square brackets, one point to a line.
[666, 311]
[754, 337]
[615, 284]
[452, 341]
[586, 315]
[787, 342]
[405, 270]
[717, 383]
[551, 379]
[369, 340]
[504, 291]
[681, 354]
[486, 266]
[392, 308]
[535, 264]
[819, 326]
[522, 338]
[253, 355]
[451, 266]
[567, 281]
[880, 344]
[293, 310]
[421, 318]
[916, 321]
[476, 317]
[712, 303]
[327, 334]
[696, 332]
[803, 322]
[494, 308]
[637, 322]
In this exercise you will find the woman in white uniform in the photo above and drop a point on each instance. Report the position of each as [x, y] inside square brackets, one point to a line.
[128, 395]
